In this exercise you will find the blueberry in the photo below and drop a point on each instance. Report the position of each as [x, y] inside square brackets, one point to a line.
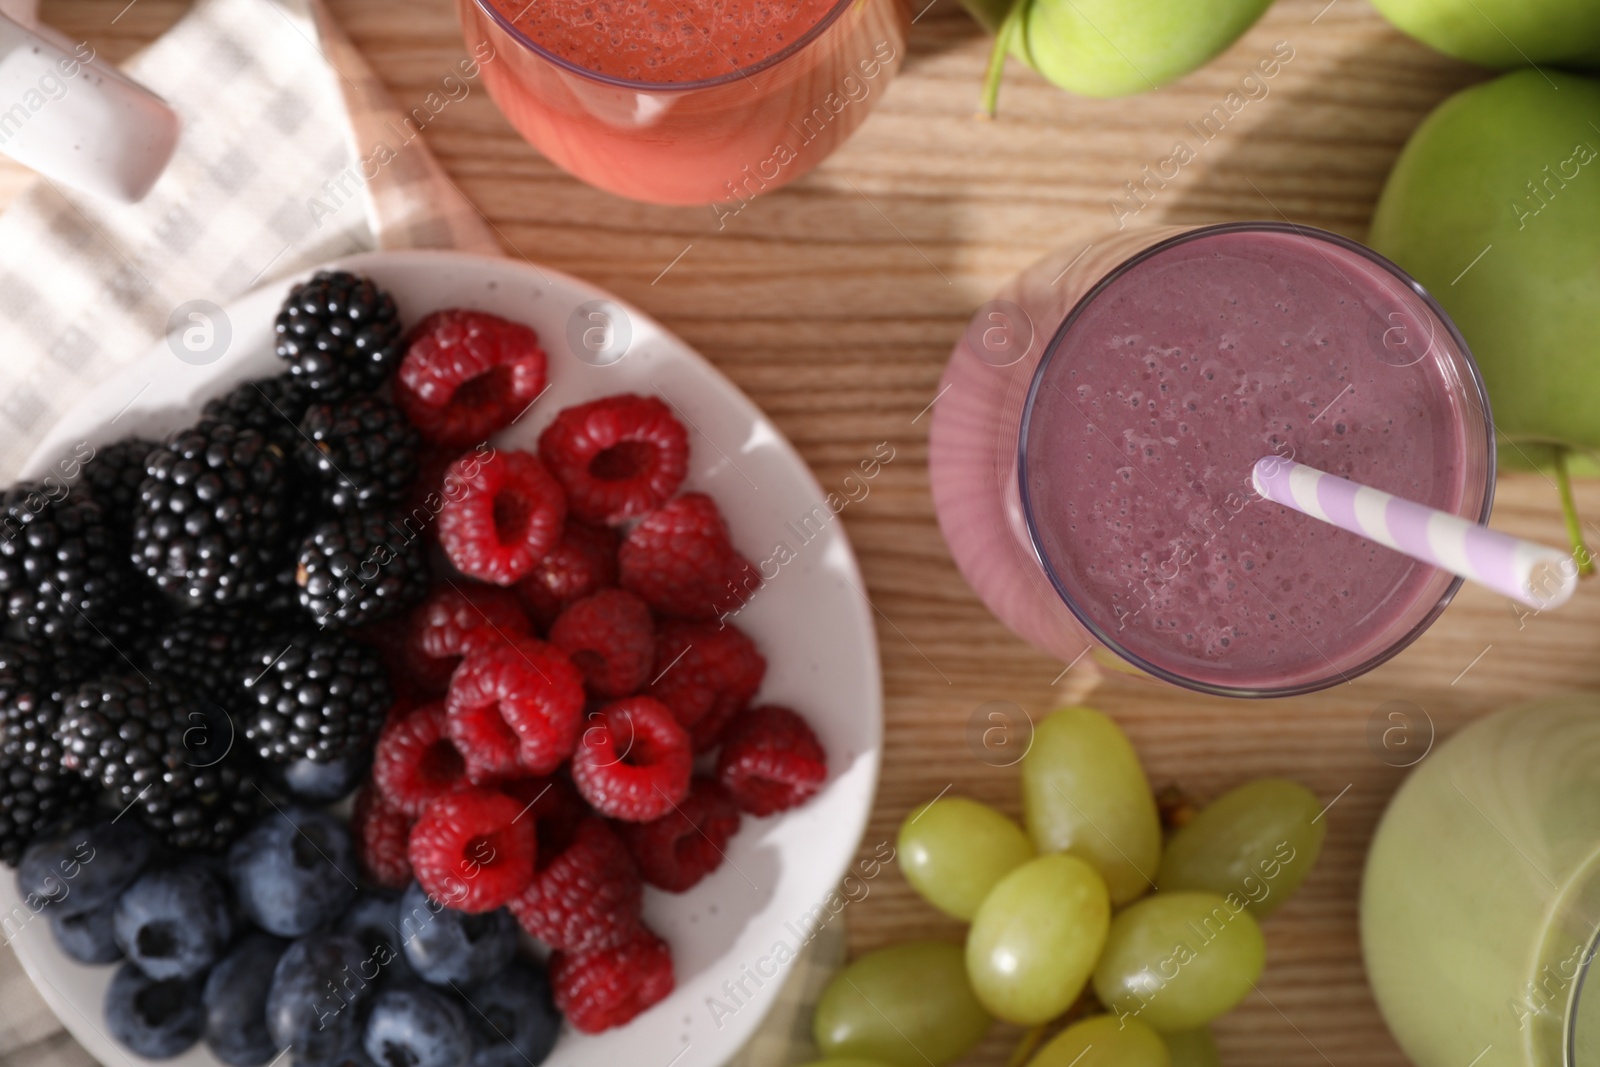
[314, 782]
[236, 1001]
[153, 1018]
[174, 922]
[445, 945]
[374, 920]
[513, 1018]
[294, 872]
[85, 868]
[416, 1027]
[317, 996]
[89, 936]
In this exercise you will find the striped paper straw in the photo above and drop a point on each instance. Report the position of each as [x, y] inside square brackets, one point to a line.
[1532, 574]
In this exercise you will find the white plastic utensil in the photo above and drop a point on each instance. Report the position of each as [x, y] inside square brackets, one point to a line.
[76, 119]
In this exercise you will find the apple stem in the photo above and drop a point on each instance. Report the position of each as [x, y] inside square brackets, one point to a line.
[1029, 1043]
[997, 57]
[1569, 509]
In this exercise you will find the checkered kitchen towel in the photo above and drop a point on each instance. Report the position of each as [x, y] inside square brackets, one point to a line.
[278, 109]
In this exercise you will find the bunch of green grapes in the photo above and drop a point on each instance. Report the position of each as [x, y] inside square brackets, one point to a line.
[1086, 917]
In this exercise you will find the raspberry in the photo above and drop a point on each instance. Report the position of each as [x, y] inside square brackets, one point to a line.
[381, 833]
[587, 897]
[599, 990]
[770, 760]
[456, 619]
[468, 374]
[515, 709]
[617, 457]
[503, 517]
[706, 673]
[634, 762]
[681, 560]
[610, 638]
[584, 562]
[416, 762]
[473, 849]
[683, 846]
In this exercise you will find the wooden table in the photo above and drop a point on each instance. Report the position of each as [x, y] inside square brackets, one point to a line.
[834, 303]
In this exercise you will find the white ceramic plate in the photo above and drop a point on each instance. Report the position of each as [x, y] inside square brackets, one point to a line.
[811, 621]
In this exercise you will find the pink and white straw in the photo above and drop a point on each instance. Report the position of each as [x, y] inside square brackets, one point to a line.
[1530, 573]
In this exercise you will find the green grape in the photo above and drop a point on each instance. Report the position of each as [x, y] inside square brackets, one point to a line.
[1193, 1048]
[851, 1062]
[1033, 943]
[1258, 842]
[953, 851]
[906, 1006]
[1104, 1041]
[1178, 960]
[1084, 792]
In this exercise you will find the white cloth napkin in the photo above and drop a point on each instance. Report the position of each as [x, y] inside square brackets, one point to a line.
[279, 113]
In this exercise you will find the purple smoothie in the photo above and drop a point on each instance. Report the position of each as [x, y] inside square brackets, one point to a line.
[1158, 396]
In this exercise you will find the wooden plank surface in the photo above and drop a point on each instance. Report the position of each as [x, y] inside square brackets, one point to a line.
[834, 303]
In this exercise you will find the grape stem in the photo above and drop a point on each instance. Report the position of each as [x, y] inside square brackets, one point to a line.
[1028, 1045]
[1569, 510]
[997, 57]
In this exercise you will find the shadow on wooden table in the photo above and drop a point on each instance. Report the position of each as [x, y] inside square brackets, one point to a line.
[1346, 118]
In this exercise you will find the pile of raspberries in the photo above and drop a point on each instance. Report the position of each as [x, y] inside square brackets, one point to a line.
[576, 712]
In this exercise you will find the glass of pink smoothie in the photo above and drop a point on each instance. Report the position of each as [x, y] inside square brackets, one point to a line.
[692, 101]
[1093, 439]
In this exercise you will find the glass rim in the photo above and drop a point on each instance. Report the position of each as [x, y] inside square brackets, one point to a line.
[1473, 377]
[786, 52]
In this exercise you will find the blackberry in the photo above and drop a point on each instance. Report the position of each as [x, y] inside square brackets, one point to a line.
[201, 649]
[340, 334]
[360, 568]
[323, 697]
[211, 514]
[32, 802]
[361, 451]
[172, 758]
[272, 405]
[30, 707]
[36, 792]
[107, 726]
[59, 570]
[113, 478]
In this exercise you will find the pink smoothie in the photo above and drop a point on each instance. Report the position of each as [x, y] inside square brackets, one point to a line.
[1135, 446]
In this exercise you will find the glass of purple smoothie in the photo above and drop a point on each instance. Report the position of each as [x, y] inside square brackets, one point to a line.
[1093, 439]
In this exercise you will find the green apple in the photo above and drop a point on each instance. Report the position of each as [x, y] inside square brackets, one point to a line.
[1494, 205]
[1502, 33]
[1109, 48]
